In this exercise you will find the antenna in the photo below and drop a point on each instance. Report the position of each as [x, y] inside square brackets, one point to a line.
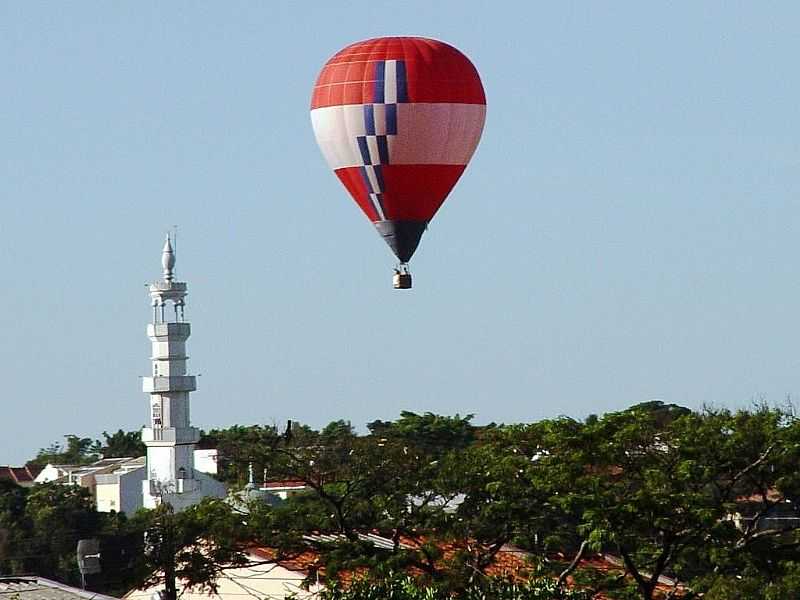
[88, 554]
[175, 239]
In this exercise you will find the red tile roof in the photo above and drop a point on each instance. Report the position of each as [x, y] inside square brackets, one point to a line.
[773, 495]
[283, 484]
[509, 562]
[19, 475]
[302, 563]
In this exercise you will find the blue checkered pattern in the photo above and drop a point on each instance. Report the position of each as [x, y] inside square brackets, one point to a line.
[380, 122]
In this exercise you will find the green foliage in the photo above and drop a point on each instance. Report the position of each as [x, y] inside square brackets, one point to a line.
[661, 414]
[12, 525]
[692, 496]
[78, 451]
[403, 587]
[336, 430]
[238, 446]
[429, 432]
[751, 584]
[42, 527]
[122, 444]
[81, 451]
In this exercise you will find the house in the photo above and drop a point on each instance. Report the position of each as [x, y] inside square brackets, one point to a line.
[121, 489]
[82, 475]
[284, 489]
[85, 475]
[51, 472]
[39, 588]
[270, 492]
[772, 511]
[22, 476]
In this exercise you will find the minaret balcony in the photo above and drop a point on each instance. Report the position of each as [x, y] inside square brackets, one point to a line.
[168, 286]
[173, 383]
[167, 436]
[166, 331]
[164, 489]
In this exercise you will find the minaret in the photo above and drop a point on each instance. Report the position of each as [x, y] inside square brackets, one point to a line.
[170, 438]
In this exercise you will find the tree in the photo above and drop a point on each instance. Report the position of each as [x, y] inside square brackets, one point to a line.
[12, 526]
[337, 429]
[710, 499]
[403, 587]
[431, 433]
[78, 451]
[194, 546]
[57, 516]
[660, 493]
[40, 528]
[122, 444]
[240, 446]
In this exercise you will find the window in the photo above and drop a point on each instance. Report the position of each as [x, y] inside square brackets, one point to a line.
[156, 413]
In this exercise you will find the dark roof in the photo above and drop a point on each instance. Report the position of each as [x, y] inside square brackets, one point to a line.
[39, 588]
[35, 469]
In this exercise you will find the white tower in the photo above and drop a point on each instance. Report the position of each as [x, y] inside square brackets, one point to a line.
[170, 438]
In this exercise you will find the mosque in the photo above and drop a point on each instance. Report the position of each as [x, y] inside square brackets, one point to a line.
[170, 473]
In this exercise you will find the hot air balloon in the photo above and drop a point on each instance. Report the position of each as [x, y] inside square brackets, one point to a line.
[397, 119]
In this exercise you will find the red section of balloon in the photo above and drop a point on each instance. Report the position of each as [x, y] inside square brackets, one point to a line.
[437, 72]
[417, 190]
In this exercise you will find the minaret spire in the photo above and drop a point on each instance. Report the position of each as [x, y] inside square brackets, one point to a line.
[168, 259]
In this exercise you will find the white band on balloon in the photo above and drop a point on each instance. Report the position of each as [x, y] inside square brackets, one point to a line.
[426, 133]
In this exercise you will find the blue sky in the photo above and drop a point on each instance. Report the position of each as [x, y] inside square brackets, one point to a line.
[627, 229]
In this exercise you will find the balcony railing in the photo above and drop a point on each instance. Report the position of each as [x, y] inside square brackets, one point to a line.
[171, 435]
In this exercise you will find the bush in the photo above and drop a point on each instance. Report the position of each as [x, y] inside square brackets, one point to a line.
[403, 587]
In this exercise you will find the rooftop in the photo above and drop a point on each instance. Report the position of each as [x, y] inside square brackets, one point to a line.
[39, 588]
[19, 475]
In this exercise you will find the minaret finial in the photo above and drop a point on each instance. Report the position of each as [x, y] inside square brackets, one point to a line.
[251, 484]
[168, 259]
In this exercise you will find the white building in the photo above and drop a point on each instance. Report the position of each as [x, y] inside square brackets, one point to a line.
[205, 460]
[87, 475]
[121, 490]
[170, 439]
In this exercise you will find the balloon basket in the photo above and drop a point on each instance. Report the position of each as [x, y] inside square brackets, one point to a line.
[401, 280]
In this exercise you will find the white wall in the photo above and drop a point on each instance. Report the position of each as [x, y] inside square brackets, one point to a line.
[205, 461]
[130, 490]
[107, 497]
[49, 473]
[271, 582]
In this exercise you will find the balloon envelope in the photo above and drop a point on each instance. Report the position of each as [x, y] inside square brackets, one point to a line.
[398, 119]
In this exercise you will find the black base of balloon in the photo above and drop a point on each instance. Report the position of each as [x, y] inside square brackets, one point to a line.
[402, 236]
